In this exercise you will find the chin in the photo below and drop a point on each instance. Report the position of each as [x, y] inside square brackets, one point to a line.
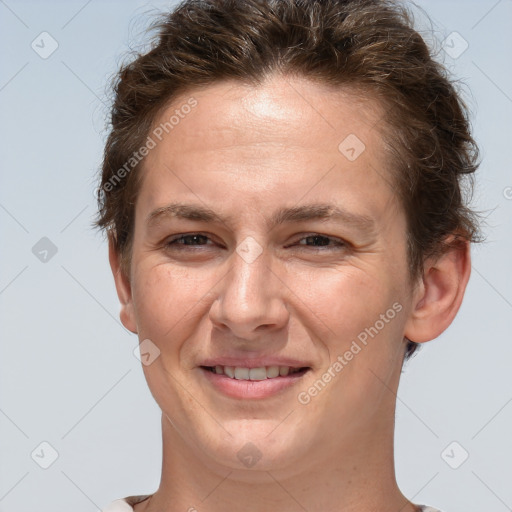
[255, 447]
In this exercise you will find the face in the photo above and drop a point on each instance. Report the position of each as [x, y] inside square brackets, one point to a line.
[269, 268]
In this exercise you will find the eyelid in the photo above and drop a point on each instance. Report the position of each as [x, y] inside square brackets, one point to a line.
[174, 238]
[336, 242]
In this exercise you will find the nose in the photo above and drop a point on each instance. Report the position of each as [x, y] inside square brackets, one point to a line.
[251, 297]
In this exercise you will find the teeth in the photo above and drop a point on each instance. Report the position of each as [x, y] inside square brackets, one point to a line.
[258, 373]
[284, 371]
[272, 371]
[261, 373]
[241, 373]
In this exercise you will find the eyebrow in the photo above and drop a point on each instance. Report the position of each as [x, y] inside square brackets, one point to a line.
[320, 211]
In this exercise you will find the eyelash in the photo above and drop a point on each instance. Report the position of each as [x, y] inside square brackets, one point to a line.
[337, 243]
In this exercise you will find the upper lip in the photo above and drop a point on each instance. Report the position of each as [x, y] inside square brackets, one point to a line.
[254, 363]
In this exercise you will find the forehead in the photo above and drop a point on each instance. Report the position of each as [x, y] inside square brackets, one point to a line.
[279, 111]
[286, 133]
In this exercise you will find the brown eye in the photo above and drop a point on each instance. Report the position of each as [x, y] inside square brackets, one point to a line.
[316, 240]
[190, 240]
[320, 241]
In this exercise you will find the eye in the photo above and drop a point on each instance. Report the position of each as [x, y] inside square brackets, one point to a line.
[321, 241]
[190, 239]
[199, 240]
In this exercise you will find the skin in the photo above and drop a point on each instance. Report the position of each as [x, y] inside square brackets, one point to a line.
[246, 152]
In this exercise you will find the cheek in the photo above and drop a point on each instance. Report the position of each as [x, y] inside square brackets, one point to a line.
[350, 300]
[166, 298]
[365, 315]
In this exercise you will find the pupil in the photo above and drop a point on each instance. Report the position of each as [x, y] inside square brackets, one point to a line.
[319, 240]
[193, 239]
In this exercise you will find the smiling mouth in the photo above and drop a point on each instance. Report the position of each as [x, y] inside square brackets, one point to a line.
[261, 373]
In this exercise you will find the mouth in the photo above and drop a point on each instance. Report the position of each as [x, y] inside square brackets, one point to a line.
[260, 373]
[246, 383]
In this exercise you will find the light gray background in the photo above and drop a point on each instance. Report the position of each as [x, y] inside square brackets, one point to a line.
[68, 373]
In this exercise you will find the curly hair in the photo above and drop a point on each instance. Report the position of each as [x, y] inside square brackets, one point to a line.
[368, 45]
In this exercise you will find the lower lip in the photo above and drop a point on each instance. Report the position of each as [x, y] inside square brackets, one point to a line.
[251, 389]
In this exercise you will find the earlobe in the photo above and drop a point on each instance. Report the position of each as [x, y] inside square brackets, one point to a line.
[123, 287]
[438, 297]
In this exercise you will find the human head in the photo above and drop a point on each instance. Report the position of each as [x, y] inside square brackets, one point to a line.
[365, 45]
[247, 149]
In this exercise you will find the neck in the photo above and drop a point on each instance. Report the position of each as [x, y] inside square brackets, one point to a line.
[355, 475]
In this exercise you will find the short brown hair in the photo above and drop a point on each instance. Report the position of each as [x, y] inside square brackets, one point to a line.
[370, 45]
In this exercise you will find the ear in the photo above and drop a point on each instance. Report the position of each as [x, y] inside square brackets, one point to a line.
[439, 294]
[123, 287]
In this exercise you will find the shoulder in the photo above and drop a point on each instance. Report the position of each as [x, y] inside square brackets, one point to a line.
[118, 506]
[126, 504]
